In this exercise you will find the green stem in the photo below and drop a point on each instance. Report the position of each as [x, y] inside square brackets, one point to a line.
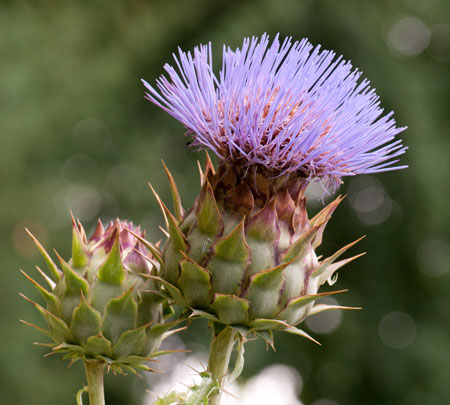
[94, 374]
[219, 358]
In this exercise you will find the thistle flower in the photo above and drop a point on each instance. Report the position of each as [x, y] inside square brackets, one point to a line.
[288, 108]
[276, 116]
[100, 305]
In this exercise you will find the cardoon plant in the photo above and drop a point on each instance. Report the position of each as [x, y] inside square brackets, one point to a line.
[277, 116]
[101, 307]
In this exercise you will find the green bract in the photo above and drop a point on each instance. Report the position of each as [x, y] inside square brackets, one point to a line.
[101, 304]
[244, 255]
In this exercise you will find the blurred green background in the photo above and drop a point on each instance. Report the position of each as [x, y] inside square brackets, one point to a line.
[76, 133]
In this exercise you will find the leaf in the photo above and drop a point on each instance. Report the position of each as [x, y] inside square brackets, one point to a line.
[294, 310]
[130, 342]
[111, 271]
[264, 291]
[209, 219]
[195, 284]
[231, 309]
[86, 322]
[98, 346]
[51, 299]
[120, 315]
[80, 257]
[231, 256]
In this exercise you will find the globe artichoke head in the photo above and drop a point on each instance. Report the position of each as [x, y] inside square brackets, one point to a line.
[101, 304]
[244, 255]
[277, 115]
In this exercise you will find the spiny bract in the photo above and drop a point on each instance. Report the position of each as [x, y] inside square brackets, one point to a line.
[100, 304]
[244, 255]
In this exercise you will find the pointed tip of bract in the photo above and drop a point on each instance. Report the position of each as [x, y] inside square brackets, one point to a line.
[160, 203]
[209, 164]
[80, 256]
[112, 270]
[179, 210]
[55, 272]
[98, 232]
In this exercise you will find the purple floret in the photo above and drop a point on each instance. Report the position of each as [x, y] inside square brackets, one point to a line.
[288, 107]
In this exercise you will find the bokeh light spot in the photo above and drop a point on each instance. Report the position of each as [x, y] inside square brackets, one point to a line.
[369, 200]
[82, 199]
[433, 257]
[327, 321]
[397, 330]
[408, 36]
[276, 384]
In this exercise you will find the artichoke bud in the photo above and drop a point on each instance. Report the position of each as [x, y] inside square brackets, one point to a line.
[104, 302]
[244, 255]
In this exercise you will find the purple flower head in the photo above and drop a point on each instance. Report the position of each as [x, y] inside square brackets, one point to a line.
[288, 107]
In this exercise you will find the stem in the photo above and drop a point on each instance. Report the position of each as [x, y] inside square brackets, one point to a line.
[94, 374]
[219, 358]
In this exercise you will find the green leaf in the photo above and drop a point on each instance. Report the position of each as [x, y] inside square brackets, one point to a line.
[209, 219]
[204, 314]
[149, 306]
[294, 310]
[264, 292]
[86, 322]
[174, 230]
[195, 284]
[263, 226]
[300, 247]
[265, 324]
[51, 300]
[228, 263]
[98, 346]
[75, 285]
[174, 292]
[172, 258]
[57, 327]
[130, 342]
[120, 315]
[102, 293]
[231, 309]
[262, 235]
[80, 258]
[112, 270]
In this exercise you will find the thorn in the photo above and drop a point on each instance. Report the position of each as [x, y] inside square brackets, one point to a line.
[50, 263]
[202, 176]
[153, 249]
[166, 234]
[161, 205]
[179, 211]
[49, 281]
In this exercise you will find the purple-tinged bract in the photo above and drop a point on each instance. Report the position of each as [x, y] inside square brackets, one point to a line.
[287, 107]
